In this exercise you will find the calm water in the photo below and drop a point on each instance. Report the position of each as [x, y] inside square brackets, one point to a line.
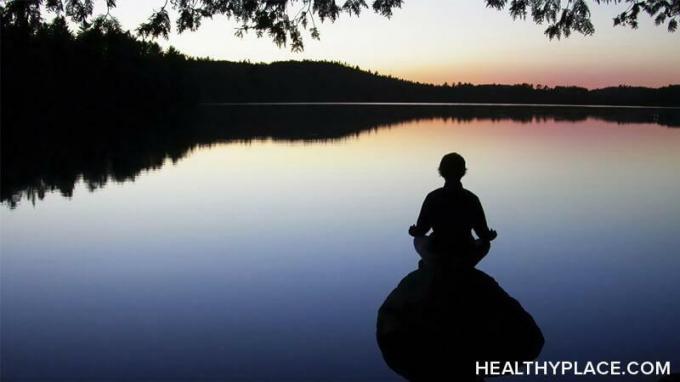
[268, 259]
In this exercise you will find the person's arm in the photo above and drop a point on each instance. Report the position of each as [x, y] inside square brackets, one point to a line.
[479, 225]
[424, 222]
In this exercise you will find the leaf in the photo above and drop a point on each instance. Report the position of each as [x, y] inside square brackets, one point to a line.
[158, 24]
[54, 6]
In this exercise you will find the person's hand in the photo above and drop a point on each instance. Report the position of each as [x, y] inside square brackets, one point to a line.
[492, 234]
[412, 231]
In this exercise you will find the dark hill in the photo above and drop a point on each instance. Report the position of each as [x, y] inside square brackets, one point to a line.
[48, 67]
[313, 81]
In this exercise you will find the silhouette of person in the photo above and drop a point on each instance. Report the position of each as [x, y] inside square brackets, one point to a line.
[452, 212]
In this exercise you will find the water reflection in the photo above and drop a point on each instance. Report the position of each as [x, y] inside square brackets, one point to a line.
[268, 260]
[51, 153]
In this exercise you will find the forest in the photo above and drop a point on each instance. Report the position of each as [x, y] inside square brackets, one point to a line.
[49, 68]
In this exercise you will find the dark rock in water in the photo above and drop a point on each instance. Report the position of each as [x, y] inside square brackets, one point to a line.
[437, 323]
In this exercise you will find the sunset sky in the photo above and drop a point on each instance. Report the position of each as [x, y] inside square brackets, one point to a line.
[450, 41]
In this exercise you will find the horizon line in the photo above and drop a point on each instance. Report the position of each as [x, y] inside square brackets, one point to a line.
[505, 104]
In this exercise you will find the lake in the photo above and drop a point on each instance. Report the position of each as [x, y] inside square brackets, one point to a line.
[254, 242]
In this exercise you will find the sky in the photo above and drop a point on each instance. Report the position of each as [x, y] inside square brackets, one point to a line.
[439, 41]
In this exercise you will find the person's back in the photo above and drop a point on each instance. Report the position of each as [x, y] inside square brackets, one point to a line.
[452, 212]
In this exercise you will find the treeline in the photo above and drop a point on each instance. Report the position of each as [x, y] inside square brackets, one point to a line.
[314, 81]
[46, 67]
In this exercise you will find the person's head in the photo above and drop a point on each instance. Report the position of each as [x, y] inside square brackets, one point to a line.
[452, 166]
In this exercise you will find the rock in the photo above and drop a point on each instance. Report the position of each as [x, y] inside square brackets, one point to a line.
[438, 322]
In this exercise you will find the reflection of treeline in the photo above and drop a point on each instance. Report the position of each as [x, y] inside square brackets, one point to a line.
[44, 154]
[48, 66]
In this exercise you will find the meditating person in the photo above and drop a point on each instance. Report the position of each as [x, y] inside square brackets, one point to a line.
[452, 212]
